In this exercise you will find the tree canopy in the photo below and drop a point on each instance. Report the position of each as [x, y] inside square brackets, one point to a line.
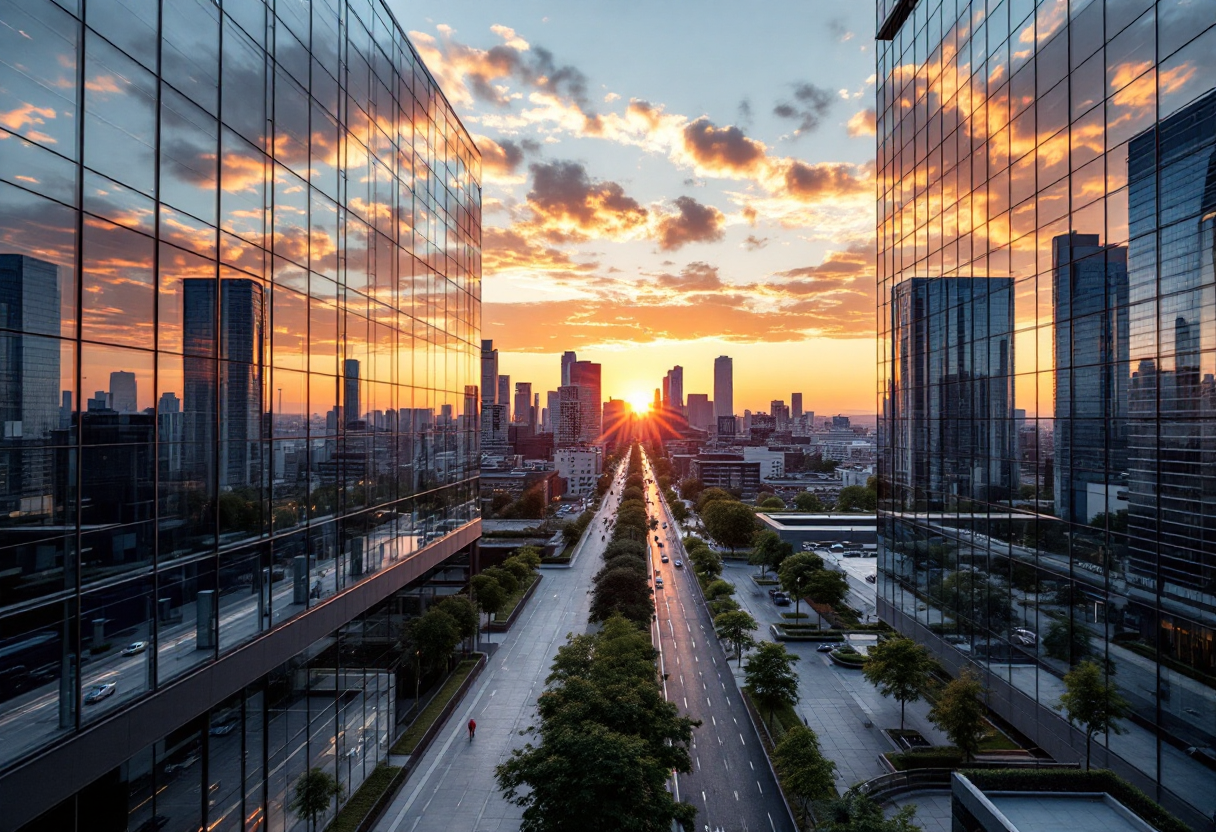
[771, 678]
[737, 628]
[901, 669]
[807, 501]
[769, 550]
[729, 522]
[806, 774]
[959, 712]
[1091, 702]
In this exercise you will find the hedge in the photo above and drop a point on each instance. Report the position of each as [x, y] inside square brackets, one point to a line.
[364, 799]
[946, 757]
[1073, 780]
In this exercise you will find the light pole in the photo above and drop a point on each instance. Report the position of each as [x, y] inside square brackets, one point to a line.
[417, 680]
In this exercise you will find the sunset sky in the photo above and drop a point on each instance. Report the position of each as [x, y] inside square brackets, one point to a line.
[666, 183]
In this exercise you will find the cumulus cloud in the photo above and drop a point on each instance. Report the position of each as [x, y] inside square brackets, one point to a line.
[692, 223]
[810, 105]
[723, 150]
[754, 243]
[863, 123]
[695, 277]
[500, 160]
[567, 205]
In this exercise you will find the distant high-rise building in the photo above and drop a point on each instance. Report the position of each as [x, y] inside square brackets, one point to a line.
[568, 358]
[780, 413]
[553, 409]
[233, 385]
[700, 411]
[30, 387]
[489, 372]
[523, 403]
[674, 385]
[586, 375]
[667, 390]
[617, 422]
[724, 386]
[352, 412]
[124, 396]
[795, 406]
[503, 396]
[1089, 292]
[570, 416]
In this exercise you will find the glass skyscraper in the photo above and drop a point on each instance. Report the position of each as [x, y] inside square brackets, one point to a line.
[1047, 324]
[239, 277]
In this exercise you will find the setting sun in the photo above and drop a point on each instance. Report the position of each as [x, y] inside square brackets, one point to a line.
[640, 402]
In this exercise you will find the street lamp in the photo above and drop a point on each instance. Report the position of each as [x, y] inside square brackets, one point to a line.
[417, 679]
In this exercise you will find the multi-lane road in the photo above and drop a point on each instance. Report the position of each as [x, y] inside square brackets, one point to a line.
[731, 784]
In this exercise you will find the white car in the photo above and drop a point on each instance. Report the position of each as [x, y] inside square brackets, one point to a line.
[1024, 637]
[96, 693]
[135, 648]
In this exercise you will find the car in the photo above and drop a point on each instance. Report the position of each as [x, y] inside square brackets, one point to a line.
[223, 729]
[656, 538]
[871, 579]
[664, 525]
[97, 693]
[1204, 754]
[658, 582]
[1024, 637]
[781, 599]
[837, 547]
[665, 559]
[679, 564]
[660, 544]
[135, 648]
[827, 647]
[852, 554]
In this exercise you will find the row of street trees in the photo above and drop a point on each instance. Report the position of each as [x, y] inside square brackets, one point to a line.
[622, 586]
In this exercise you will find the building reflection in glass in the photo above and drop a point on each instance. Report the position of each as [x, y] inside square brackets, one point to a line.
[1072, 148]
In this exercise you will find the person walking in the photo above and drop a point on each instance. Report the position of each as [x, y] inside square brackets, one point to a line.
[472, 728]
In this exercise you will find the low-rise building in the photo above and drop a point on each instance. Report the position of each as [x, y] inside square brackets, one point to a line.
[727, 471]
[580, 468]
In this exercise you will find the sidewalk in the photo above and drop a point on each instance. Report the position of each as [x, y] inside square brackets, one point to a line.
[836, 702]
[453, 786]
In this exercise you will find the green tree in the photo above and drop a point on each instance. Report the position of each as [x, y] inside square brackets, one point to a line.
[1067, 642]
[807, 501]
[678, 510]
[772, 503]
[433, 636]
[622, 591]
[488, 594]
[706, 562]
[314, 792]
[795, 575]
[959, 712]
[768, 551]
[691, 488]
[529, 555]
[519, 569]
[857, 498]
[854, 812]
[806, 774]
[826, 587]
[606, 743]
[718, 589]
[901, 669]
[730, 523]
[737, 628]
[463, 612]
[771, 678]
[1091, 702]
[713, 495]
[506, 579]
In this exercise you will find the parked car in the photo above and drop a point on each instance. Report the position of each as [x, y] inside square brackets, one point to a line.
[97, 693]
[1024, 637]
[781, 599]
[135, 648]
[837, 547]
[223, 729]
[871, 579]
[827, 647]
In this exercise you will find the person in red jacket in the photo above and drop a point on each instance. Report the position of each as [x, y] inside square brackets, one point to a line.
[472, 728]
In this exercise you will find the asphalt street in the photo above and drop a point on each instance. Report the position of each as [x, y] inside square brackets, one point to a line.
[731, 785]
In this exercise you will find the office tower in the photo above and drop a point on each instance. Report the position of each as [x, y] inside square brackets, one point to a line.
[795, 406]
[724, 386]
[1089, 293]
[503, 396]
[31, 394]
[700, 411]
[350, 392]
[553, 408]
[147, 513]
[470, 409]
[1039, 155]
[523, 403]
[586, 376]
[489, 372]
[569, 416]
[617, 423]
[780, 413]
[951, 417]
[673, 384]
[232, 385]
[568, 358]
[123, 392]
[534, 416]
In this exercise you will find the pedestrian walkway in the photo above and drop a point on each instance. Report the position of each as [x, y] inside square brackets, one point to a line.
[453, 786]
[837, 703]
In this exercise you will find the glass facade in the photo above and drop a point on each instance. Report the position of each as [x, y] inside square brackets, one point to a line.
[239, 297]
[1047, 375]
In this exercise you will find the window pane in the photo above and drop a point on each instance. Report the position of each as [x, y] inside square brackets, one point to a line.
[38, 86]
[119, 288]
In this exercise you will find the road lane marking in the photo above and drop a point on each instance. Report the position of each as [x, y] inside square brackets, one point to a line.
[736, 795]
[711, 716]
[749, 762]
[758, 786]
[742, 740]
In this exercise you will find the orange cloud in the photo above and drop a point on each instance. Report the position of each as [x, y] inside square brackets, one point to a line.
[693, 223]
[862, 124]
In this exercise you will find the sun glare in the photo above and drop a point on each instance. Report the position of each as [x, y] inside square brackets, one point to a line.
[640, 403]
